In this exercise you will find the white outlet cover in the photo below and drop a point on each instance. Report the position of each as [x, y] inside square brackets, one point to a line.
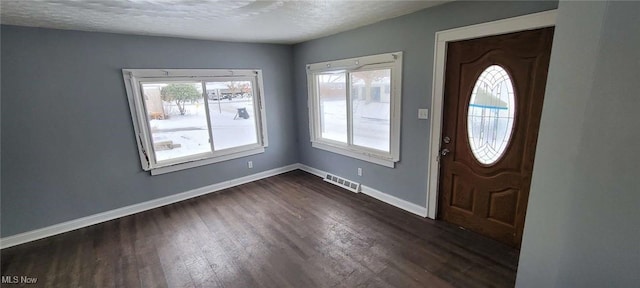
[423, 113]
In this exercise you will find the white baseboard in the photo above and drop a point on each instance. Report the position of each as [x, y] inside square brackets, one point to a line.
[312, 170]
[395, 201]
[155, 203]
[136, 208]
[384, 197]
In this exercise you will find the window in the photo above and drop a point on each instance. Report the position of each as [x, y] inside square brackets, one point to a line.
[491, 115]
[185, 118]
[354, 107]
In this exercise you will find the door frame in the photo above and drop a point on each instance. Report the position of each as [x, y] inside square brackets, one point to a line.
[504, 26]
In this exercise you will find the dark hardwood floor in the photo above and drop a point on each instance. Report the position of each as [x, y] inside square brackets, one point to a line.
[291, 230]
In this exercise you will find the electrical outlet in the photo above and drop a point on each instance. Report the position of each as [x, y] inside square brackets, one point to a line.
[359, 171]
[250, 164]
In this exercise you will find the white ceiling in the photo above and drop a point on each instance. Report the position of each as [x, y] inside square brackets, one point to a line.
[284, 21]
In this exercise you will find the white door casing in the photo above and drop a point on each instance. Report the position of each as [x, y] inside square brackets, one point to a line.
[509, 25]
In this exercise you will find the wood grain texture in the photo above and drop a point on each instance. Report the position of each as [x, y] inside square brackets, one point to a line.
[291, 230]
[492, 199]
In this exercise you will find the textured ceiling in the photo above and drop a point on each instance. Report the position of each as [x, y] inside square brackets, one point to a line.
[246, 21]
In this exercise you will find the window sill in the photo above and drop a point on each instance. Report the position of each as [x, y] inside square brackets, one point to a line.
[198, 163]
[355, 154]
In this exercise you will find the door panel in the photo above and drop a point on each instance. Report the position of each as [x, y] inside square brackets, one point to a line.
[491, 199]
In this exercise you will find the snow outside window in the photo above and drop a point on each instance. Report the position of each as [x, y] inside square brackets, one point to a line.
[185, 118]
[354, 107]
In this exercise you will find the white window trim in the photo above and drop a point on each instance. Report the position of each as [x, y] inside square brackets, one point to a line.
[391, 61]
[133, 78]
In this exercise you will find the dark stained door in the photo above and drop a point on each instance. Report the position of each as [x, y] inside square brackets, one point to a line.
[494, 89]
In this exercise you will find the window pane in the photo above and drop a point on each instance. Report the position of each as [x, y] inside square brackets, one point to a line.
[371, 105]
[332, 94]
[232, 112]
[491, 115]
[177, 119]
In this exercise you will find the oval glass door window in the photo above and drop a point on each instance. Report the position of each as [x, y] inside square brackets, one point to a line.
[491, 114]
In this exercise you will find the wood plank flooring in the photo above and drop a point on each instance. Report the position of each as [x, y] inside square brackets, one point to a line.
[290, 230]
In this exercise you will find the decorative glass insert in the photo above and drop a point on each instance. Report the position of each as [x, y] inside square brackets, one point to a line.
[491, 115]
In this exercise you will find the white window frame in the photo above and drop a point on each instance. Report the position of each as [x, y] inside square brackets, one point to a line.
[392, 61]
[133, 80]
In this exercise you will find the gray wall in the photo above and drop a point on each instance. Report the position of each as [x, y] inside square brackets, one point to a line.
[0, 134]
[413, 34]
[583, 221]
[68, 148]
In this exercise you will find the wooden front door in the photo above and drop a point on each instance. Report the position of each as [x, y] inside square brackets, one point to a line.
[494, 88]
